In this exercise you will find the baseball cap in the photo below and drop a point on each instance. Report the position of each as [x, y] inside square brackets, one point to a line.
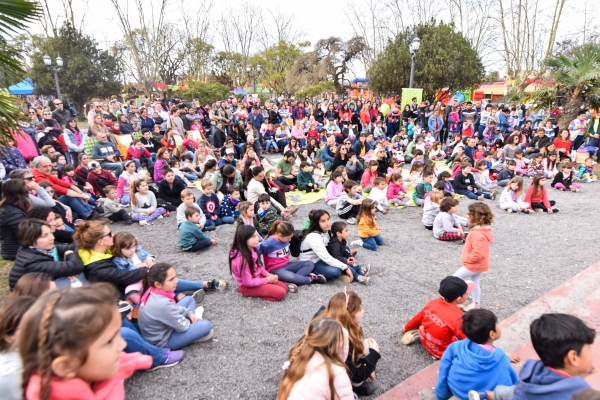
[229, 151]
[452, 287]
[93, 164]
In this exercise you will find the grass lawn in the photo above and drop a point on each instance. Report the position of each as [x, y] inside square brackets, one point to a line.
[4, 271]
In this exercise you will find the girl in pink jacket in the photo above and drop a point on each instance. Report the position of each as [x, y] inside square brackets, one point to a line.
[323, 348]
[334, 189]
[248, 270]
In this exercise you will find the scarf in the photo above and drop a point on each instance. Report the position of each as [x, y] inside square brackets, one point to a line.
[50, 253]
[169, 295]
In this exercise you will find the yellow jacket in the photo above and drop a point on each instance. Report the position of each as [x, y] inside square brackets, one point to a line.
[365, 230]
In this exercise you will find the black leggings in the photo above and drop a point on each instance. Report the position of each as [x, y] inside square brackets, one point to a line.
[308, 189]
[286, 181]
[119, 216]
[277, 195]
[350, 214]
[543, 207]
[164, 204]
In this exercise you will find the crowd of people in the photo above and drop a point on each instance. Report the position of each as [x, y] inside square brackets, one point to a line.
[63, 188]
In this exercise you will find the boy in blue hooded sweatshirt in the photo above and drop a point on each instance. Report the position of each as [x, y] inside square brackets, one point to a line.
[474, 363]
[563, 343]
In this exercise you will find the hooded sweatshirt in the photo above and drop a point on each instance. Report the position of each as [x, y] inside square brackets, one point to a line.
[537, 382]
[476, 253]
[466, 366]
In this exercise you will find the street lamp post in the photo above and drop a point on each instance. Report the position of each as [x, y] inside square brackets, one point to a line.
[253, 73]
[414, 47]
[59, 64]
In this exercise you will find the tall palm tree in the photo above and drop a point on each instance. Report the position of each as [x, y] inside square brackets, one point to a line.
[14, 17]
[577, 80]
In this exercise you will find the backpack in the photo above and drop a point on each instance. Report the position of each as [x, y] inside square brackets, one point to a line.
[295, 243]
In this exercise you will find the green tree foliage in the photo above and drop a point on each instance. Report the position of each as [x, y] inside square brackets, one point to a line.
[276, 63]
[15, 15]
[445, 60]
[205, 92]
[87, 72]
[577, 81]
[492, 77]
[315, 90]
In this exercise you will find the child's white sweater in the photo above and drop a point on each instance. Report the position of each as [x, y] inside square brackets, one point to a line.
[379, 196]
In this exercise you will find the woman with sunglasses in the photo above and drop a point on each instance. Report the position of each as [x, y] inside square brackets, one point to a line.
[40, 253]
[34, 116]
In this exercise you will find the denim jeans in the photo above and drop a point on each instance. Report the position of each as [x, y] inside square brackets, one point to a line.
[270, 144]
[371, 243]
[471, 195]
[115, 167]
[195, 331]
[282, 143]
[211, 224]
[327, 271]
[82, 209]
[190, 177]
[136, 343]
[355, 271]
[302, 143]
[188, 286]
[65, 282]
[200, 244]
[295, 272]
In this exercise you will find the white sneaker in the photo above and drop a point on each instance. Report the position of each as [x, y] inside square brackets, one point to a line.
[160, 217]
[366, 270]
[363, 279]
[143, 222]
[493, 195]
[481, 197]
[358, 243]
[351, 221]
[199, 312]
[509, 210]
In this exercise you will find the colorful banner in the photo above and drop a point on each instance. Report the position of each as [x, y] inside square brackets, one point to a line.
[408, 94]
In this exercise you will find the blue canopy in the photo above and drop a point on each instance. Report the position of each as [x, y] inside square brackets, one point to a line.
[240, 91]
[25, 87]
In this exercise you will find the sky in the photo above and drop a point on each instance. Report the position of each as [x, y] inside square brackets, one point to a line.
[317, 18]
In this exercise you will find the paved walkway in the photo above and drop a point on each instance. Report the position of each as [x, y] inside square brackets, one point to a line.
[579, 296]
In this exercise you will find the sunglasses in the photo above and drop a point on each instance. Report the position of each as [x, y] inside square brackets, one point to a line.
[109, 234]
[29, 178]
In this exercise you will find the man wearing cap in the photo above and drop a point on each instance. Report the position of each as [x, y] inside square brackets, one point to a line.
[100, 178]
[228, 159]
[439, 323]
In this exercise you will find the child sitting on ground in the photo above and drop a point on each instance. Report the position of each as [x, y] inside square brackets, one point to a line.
[333, 189]
[586, 172]
[305, 180]
[396, 194]
[521, 164]
[231, 199]
[191, 238]
[448, 226]
[535, 165]
[431, 209]
[266, 214]
[112, 210]
[438, 324]
[436, 152]
[349, 202]
[338, 249]
[247, 215]
[423, 188]
[444, 177]
[474, 363]
[415, 174]
[482, 177]
[379, 196]
[512, 198]
[507, 173]
[354, 166]
[187, 198]
[210, 205]
[368, 178]
[318, 170]
[464, 183]
[564, 179]
[368, 231]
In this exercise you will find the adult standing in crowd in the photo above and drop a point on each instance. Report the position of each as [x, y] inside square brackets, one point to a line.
[60, 113]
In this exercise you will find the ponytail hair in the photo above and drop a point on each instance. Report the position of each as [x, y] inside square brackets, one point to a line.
[283, 228]
[133, 190]
[158, 273]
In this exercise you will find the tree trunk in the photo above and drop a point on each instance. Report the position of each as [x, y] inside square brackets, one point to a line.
[570, 110]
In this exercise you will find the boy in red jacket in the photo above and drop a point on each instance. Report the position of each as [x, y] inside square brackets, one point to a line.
[439, 323]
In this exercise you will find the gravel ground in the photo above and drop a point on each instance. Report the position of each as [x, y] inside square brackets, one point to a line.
[532, 254]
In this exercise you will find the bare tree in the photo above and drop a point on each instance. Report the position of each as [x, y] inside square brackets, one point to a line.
[282, 27]
[474, 19]
[367, 19]
[198, 42]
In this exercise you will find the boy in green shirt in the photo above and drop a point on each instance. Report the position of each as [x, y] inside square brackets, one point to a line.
[191, 238]
[305, 180]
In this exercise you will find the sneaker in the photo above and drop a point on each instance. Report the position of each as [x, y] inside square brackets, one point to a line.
[314, 278]
[94, 216]
[538, 210]
[292, 288]
[143, 222]
[129, 222]
[160, 217]
[351, 221]
[474, 395]
[217, 284]
[365, 270]
[345, 278]
[363, 279]
[555, 209]
[481, 197]
[493, 195]
[172, 358]
[410, 337]
[526, 211]
[198, 296]
[199, 312]
[206, 338]
[509, 210]
[576, 190]
[357, 243]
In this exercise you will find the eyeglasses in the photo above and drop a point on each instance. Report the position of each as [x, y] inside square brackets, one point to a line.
[109, 234]
[47, 113]
[111, 193]
[29, 178]
[31, 112]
